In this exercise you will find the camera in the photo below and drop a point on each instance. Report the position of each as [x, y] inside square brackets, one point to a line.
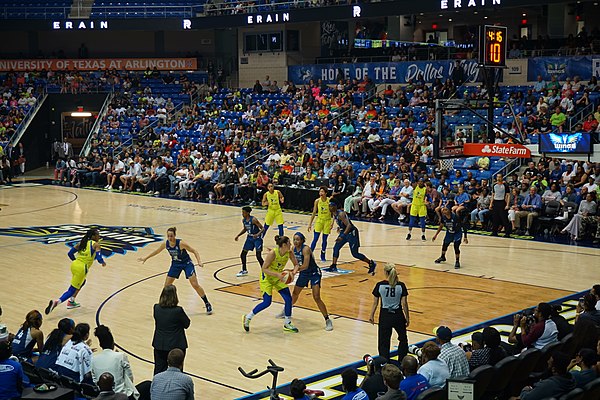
[416, 350]
[467, 347]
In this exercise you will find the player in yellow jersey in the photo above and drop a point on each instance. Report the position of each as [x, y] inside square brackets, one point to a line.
[83, 255]
[418, 209]
[272, 199]
[271, 278]
[324, 221]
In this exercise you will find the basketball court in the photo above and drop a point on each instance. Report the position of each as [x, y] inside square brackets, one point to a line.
[498, 277]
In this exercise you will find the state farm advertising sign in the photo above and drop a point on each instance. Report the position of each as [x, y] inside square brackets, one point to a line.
[129, 64]
[496, 150]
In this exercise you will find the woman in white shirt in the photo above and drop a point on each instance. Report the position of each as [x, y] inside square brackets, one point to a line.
[117, 364]
[75, 358]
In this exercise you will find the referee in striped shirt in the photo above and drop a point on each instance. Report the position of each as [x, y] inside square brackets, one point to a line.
[394, 312]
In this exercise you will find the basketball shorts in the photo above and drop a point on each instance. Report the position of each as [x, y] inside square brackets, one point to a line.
[274, 215]
[452, 238]
[418, 211]
[176, 269]
[79, 273]
[323, 226]
[253, 244]
[268, 283]
[304, 278]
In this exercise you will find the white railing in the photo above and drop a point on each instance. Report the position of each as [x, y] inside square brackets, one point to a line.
[14, 139]
[85, 150]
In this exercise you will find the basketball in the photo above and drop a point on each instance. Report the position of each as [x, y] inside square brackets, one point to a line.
[288, 276]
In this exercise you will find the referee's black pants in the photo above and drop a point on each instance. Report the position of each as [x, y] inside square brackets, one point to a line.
[500, 217]
[388, 320]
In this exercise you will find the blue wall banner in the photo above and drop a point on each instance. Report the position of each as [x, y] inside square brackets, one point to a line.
[382, 72]
[563, 67]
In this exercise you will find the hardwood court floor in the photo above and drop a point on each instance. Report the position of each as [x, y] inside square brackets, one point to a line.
[459, 292]
[498, 276]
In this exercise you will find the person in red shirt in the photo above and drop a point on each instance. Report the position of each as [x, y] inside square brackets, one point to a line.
[590, 124]
[371, 113]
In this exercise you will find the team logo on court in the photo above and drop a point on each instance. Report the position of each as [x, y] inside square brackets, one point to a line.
[115, 239]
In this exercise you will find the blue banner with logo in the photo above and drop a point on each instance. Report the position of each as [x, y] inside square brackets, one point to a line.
[563, 67]
[579, 142]
[382, 72]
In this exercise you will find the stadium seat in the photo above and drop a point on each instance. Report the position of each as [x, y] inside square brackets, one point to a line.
[592, 390]
[503, 373]
[575, 394]
[482, 376]
[435, 393]
[527, 362]
[545, 355]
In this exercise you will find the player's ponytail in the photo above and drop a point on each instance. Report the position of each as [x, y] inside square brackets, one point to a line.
[33, 319]
[281, 240]
[390, 272]
[86, 238]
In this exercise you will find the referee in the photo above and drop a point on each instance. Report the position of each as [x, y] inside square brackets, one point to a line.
[499, 206]
[394, 312]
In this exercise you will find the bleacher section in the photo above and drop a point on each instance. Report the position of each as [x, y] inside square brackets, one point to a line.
[35, 9]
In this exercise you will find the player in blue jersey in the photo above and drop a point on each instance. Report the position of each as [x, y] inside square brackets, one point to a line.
[348, 234]
[455, 230]
[254, 240]
[181, 261]
[309, 273]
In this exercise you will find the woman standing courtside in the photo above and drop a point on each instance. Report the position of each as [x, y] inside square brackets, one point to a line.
[170, 323]
[394, 312]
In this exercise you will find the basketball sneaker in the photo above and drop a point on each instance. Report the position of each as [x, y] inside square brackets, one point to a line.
[328, 325]
[332, 268]
[372, 266]
[246, 323]
[423, 238]
[440, 260]
[51, 306]
[322, 255]
[209, 309]
[241, 273]
[408, 236]
[457, 265]
[72, 304]
[281, 315]
[289, 327]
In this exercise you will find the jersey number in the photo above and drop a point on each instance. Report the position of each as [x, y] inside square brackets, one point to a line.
[390, 292]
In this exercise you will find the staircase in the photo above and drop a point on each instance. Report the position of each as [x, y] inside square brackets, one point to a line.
[81, 9]
[16, 137]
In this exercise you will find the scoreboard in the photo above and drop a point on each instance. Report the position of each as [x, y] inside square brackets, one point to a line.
[493, 46]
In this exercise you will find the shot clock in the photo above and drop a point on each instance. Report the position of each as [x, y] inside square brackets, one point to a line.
[494, 40]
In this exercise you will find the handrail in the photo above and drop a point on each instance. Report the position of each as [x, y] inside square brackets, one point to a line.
[261, 159]
[579, 116]
[506, 170]
[14, 139]
[85, 150]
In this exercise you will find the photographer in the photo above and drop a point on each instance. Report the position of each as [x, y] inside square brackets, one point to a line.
[586, 309]
[534, 333]
[373, 382]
